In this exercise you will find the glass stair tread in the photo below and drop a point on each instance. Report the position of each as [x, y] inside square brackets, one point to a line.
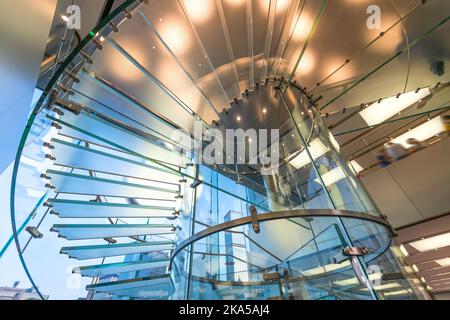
[110, 250]
[91, 209]
[129, 109]
[115, 286]
[76, 156]
[120, 267]
[98, 128]
[100, 231]
[151, 292]
[147, 293]
[65, 182]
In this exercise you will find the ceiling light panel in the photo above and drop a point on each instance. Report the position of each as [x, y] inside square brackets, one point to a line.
[376, 113]
[431, 243]
[316, 149]
[331, 177]
[423, 132]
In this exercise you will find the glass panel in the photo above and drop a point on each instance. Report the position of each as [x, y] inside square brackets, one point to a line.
[82, 184]
[170, 94]
[91, 209]
[115, 268]
[76, 156]
[236, 20]
[99, 231]
[152, 292]
[171, 24]
[95, 127]
[91, 252]
[112, 102]
[299, 258]
[367, 52]
[118, 286]
[286, 16]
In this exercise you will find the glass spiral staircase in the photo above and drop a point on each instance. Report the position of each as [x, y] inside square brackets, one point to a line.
[107, 203]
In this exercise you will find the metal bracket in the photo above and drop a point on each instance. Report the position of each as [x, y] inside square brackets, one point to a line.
[254, 216]
[71, 106]
[196, 183]
[355, 251]
[110, 240]
[34, 232]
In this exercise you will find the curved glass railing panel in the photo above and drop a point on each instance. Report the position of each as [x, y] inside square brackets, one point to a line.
[304, 261]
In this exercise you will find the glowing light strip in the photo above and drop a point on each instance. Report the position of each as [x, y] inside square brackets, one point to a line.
[387, 108]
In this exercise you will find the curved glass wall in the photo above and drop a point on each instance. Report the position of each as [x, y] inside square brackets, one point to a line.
[108, 203]
[303, 262]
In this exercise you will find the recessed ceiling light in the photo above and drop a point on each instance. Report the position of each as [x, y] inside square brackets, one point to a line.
[238, 118]
[264, 110]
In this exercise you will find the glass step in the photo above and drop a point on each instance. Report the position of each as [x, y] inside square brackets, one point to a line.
[86, 185]
[98, 128]
[111, 250]
[120, 267]
[152, 293]
[119, 287]
[158, 292]
[124, 109]
[100, 231]
[76, 156]
[92, 209]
